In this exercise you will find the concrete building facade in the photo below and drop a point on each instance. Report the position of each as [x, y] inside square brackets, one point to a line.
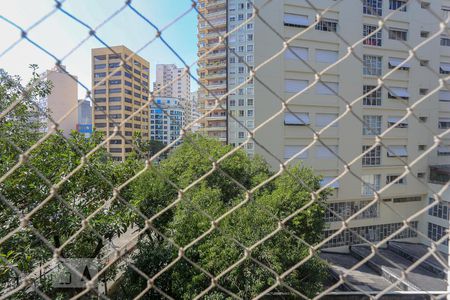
[212, 67]
[63, 98]
[312, 108]
[122, 94]
[165, 74]
[166, 119]
[225, 68]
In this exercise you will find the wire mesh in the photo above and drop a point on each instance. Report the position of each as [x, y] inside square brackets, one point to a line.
[19, 219]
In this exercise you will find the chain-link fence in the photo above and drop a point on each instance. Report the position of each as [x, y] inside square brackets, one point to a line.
[195, 218]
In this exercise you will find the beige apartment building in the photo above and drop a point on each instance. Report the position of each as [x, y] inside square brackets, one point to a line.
[120, 95]
[212, 68]
[61, 100]
[313, 108]
[180, 87]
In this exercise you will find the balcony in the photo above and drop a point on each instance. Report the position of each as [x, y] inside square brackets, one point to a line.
[215, 76]
[214, 4]
[219, 86]
[212, 15]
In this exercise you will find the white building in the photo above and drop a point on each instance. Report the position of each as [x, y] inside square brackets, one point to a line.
[63, 98]
[311, 109]
[166, 119]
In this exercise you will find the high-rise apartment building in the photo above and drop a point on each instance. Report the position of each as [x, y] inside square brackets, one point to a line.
[178, 83]
[356, 77]
[116, 98]
[63, 98]
[226, 68]
[166, 119]
[212, 66]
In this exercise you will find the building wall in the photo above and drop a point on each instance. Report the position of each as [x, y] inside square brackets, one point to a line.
[212, 68]
[348, 135]
[166, 119]
[62, 99]
[118, 97]
[241, 101]
[165, 74]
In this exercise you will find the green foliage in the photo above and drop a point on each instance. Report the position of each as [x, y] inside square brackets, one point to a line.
[254, 220]
[28, 189]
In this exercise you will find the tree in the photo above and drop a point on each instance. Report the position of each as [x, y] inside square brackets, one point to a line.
[59, 218]
[211, 198]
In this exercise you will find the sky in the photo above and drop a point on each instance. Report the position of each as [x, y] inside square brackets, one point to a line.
[59, 34]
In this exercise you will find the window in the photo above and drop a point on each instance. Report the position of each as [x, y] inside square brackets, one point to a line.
[372, 125]
[99, 66]
[392, 120]
[101, 91]
[425, 5]
[424, 34]
[344, 210]
[444, 68]
[371, 183]
[399, 5]
[374, 98]
[100, 75]
[100, 57]
[440, 210]
[299, 119]
[397, 151]
[294, 20]
[423, 91]
[115, 107]
[329, 25]
[374, 39]
[398, 34]
[250, 113]
[445, 12]
[371, 233]
[327, 88]
[372, 65]
[443, 150]
[398, 92]
[323, 152]
[294, 86]
[421, 147]
[407, 199]
[396, 62]
[444, 96]
[323, 120]
[392, 178]
[445, 41]
[115, 81]
[241, 134]
[291, 151]
[436, 232]
[328, 179]
[373, 157]
[249, 102]
[116, 90]
[293, 53]
[373, 7]
[326, 56]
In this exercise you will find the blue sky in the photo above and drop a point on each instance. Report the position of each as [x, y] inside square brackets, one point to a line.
[59, 34]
